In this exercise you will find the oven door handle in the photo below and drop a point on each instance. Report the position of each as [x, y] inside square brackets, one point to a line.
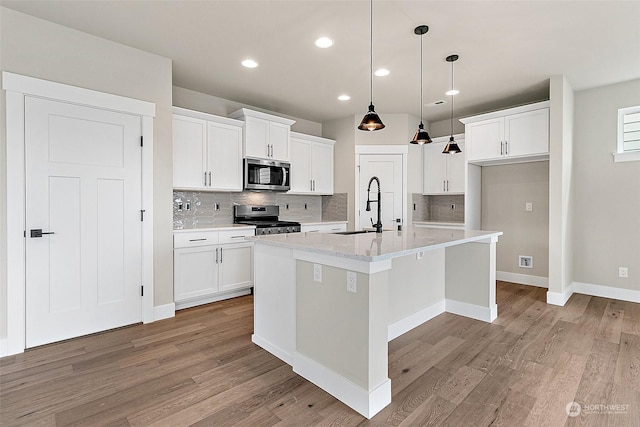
[284, 175]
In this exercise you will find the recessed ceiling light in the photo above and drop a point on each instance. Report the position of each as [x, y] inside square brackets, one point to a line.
[324, 42]
[344, 97]
[452, 92]
[381, 72]
[249, 63]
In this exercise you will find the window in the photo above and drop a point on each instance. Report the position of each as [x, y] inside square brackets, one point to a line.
[628, 148]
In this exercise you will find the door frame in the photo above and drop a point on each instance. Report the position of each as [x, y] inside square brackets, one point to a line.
[16, 87]
[381, 149]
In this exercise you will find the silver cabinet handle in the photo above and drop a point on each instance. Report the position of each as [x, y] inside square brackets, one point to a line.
[447, 185]
[205, 178]
[237, 237]
[197, 240]
[310, 185]
[314, 185]
[501, 149]
[443, 186]
[217, 255]
[209, 179]
[506, 148]
[220, 255]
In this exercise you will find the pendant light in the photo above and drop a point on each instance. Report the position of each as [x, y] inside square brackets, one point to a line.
[422, 136]
[371, 121]
[452, 147]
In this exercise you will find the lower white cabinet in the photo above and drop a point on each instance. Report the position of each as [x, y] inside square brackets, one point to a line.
[332, 227]
[210, 266]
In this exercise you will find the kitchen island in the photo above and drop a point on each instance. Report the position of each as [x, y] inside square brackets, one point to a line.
[327, 304]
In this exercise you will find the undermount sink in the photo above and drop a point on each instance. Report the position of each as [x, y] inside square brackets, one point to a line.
[346, 233]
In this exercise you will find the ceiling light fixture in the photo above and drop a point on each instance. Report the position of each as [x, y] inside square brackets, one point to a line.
[382, 72]
[452, 147]
[324, 42]
[344, 97]
[249, 63]
[422, 136]
[371, 121]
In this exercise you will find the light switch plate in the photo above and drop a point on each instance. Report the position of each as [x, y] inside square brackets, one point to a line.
[623, 272]
[317, 273]
[528, 207]
[352, 282]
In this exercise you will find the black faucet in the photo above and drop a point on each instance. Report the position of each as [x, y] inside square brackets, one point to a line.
[377, 225]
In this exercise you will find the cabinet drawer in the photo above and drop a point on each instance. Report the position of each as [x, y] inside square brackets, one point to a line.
[235, 236]
[199, 238]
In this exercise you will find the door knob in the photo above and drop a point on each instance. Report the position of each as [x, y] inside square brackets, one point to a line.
[37, 232]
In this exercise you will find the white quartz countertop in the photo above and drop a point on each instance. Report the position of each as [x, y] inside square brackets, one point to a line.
[218, 228]
[439, 223]
[376, 247]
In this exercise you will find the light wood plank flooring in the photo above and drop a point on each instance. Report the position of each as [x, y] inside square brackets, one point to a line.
[200, 368]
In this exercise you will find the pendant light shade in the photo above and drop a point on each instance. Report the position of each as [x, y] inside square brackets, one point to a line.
[371, 121]
[452, 147]
[422, 136]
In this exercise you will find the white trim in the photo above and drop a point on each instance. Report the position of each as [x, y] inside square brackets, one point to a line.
[523, 279]
[16, 87]
[344, 263]
[395, 329]
[366, 403]
[478, 312]
[76, 95]
[626, 156]
[273, 349]
[557, 298]
[502, 113]
[193, 302]
[403, 150]
[630, 295]
[166, 311]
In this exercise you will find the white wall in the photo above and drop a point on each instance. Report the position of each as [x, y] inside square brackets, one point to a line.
[606, 215]
[44, 50]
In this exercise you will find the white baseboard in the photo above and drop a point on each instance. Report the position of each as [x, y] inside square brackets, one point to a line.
[486, 314]
[560, 298]
[164, 311]
[4, 347]
[367, 403]
[273, 349]
[207, 300]
[606, 291]
[401, 326]
[523, 279]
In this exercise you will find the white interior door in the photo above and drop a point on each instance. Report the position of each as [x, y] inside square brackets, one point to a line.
[83, 185]
[388, 169]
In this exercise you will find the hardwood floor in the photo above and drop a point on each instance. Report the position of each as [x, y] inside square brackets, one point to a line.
[200, 368]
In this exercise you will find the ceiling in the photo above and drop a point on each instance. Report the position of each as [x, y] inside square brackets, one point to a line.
[508, 49]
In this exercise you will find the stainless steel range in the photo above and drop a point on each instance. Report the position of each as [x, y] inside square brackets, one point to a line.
[265, 218]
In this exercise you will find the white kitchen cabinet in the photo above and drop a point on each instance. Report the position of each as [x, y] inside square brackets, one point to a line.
[265, 136]
[513, 135]
[326, 227]
[207, 151]
[311, 164]
[211, 266]
[443, 173]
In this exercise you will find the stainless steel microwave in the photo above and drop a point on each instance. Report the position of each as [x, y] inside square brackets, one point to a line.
[266, 175]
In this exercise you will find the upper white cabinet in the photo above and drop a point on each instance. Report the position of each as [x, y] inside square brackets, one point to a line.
[311, 164]
[443, 173]
[207, 151]
[513, 135]
[265, 136]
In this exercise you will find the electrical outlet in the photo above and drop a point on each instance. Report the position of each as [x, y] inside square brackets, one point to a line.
[419, 255]
[305, 206]
[528, 207]
[525, 261]
[317, 273]
[453, 206]
[187, 205]
[216, 206]
[623, 272]
[352, 282]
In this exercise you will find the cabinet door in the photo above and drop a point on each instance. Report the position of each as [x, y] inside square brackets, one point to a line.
[485, 139]
[300, 166]
[195, 272]
[279, 141]
[256, 138]
[527, 133]
[224, 155]
[434, 169]
[456, 165]
[236, 266]
[189, 146]
[322, 168]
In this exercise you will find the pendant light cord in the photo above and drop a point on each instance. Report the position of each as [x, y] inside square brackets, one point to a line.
[421, 78]
[452, 97]
[371, 51]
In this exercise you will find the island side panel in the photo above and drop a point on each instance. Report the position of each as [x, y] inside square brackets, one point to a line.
[342, 336]
[416, 290]
[470, 276]
[274, 301]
